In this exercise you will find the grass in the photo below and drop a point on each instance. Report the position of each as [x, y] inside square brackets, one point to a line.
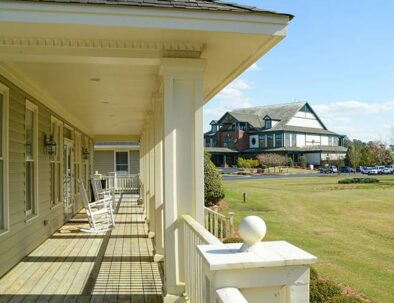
[349, 227]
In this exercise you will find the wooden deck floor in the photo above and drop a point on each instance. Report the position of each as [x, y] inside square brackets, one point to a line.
[71, 266]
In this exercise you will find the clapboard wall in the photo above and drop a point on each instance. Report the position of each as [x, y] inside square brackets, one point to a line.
[24, 235]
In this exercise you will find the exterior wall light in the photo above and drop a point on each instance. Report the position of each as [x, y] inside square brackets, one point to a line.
[50, 145]
[85, 153]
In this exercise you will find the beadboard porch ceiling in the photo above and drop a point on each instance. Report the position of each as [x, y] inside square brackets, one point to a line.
[101, 65]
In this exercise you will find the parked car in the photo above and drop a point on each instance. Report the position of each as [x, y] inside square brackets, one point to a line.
[346, 169]
[373, 171]
[364, 169]
[388, 169]
[380, 169]
[329, 170]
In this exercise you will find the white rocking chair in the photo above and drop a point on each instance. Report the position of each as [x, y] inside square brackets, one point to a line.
[99, 213]
[100, 193]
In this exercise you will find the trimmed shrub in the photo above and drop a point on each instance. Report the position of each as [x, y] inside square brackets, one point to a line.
[313, 275]
[247, 163]
[290, 162]
[233, 240]
[213, 187]
[344, 299]
[358, 180]
[303, 161]
[322, 291]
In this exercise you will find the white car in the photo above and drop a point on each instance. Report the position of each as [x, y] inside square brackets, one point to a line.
[388, 170]
[373, 171]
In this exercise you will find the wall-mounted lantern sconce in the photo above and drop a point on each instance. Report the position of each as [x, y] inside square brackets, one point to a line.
[50, 145]
[85, 153]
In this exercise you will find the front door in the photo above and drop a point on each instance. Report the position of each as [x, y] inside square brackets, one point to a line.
[68, 155]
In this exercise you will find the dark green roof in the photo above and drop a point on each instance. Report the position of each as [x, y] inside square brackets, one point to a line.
[316, 148]
[220, 150]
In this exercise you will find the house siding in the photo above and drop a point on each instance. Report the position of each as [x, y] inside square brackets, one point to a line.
[23, 237]
[134, 159]
[104, 162]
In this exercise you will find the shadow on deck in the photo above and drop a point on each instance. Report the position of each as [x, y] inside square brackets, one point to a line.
[71, 266]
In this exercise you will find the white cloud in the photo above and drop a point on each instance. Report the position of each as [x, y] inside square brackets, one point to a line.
[254, 67]
[357, 119]
[233, 96]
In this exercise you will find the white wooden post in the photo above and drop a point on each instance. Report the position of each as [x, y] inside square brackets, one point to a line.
[158, 161]
[151, 156]
[275, 272]
[183, 159]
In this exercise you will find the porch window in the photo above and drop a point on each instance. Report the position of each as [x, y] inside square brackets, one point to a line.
[270, 140]
[3, 158]
[287, 139]
[31, 135]
[262, 140]
[278, 140]
[122, 162]
[56, 162]
[294, 140]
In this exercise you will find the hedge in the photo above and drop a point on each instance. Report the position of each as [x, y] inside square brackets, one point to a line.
[358, 180]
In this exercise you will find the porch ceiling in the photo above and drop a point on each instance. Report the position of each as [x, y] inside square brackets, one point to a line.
[101, 65]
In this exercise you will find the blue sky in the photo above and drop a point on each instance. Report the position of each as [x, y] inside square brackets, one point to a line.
[338, 55]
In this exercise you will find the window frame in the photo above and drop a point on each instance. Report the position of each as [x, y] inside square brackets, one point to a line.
[33, 213]
[57, 162]
[5, 92]
[128, 160]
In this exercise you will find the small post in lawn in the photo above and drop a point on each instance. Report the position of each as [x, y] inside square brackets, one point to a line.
[231, 220]
[244, 195]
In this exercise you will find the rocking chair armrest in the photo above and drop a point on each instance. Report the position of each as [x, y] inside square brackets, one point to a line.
[101, 202]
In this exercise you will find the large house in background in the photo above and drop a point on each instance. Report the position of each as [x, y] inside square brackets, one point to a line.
[293, 129]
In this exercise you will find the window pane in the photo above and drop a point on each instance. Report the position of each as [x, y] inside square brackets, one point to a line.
[29, 134]
[278, 140]
[270, 140]
[29, 187]
[121, 158]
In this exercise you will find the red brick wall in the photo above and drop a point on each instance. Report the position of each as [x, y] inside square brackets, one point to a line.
[241, 139]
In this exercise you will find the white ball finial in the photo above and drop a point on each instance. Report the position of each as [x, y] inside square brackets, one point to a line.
[252, 230]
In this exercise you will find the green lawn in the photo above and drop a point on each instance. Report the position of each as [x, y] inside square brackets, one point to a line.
[350, 228]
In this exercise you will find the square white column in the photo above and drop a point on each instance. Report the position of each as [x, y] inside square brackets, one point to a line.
[183, 151]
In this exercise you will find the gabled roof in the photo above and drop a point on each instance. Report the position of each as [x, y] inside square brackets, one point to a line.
[253, 120]
[207, 5]
[281, 112]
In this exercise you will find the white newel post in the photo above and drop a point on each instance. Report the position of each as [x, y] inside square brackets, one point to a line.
[183, 184]
[158, 183]
[264, 272]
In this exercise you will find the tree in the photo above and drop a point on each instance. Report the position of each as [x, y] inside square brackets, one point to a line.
[213, 187]
[272, 159]
[354, 153]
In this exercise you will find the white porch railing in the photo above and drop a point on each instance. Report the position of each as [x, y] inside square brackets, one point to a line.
[218, 224]
[230, 295]
[122, 183]
[195, 234]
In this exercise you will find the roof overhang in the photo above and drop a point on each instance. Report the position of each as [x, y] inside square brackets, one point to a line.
[39, 40]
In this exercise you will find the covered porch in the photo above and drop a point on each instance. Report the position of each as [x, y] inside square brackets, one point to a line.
[72, 266]
[129, 71]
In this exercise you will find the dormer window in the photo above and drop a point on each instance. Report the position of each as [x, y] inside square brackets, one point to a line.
[268, 123]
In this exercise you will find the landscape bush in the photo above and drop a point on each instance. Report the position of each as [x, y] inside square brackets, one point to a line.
[313, 274]
[247, 163]
[358, 180]
[303, 161]
[213, 187]
[323, 290]
[344, 299]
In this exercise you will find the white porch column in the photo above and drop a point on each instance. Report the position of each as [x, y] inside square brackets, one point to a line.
[158, 183]
[183, 182]
[151, 176]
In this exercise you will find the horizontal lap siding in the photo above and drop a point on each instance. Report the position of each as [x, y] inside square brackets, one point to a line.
[24, 237]
[104, 162]
[134, 162]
